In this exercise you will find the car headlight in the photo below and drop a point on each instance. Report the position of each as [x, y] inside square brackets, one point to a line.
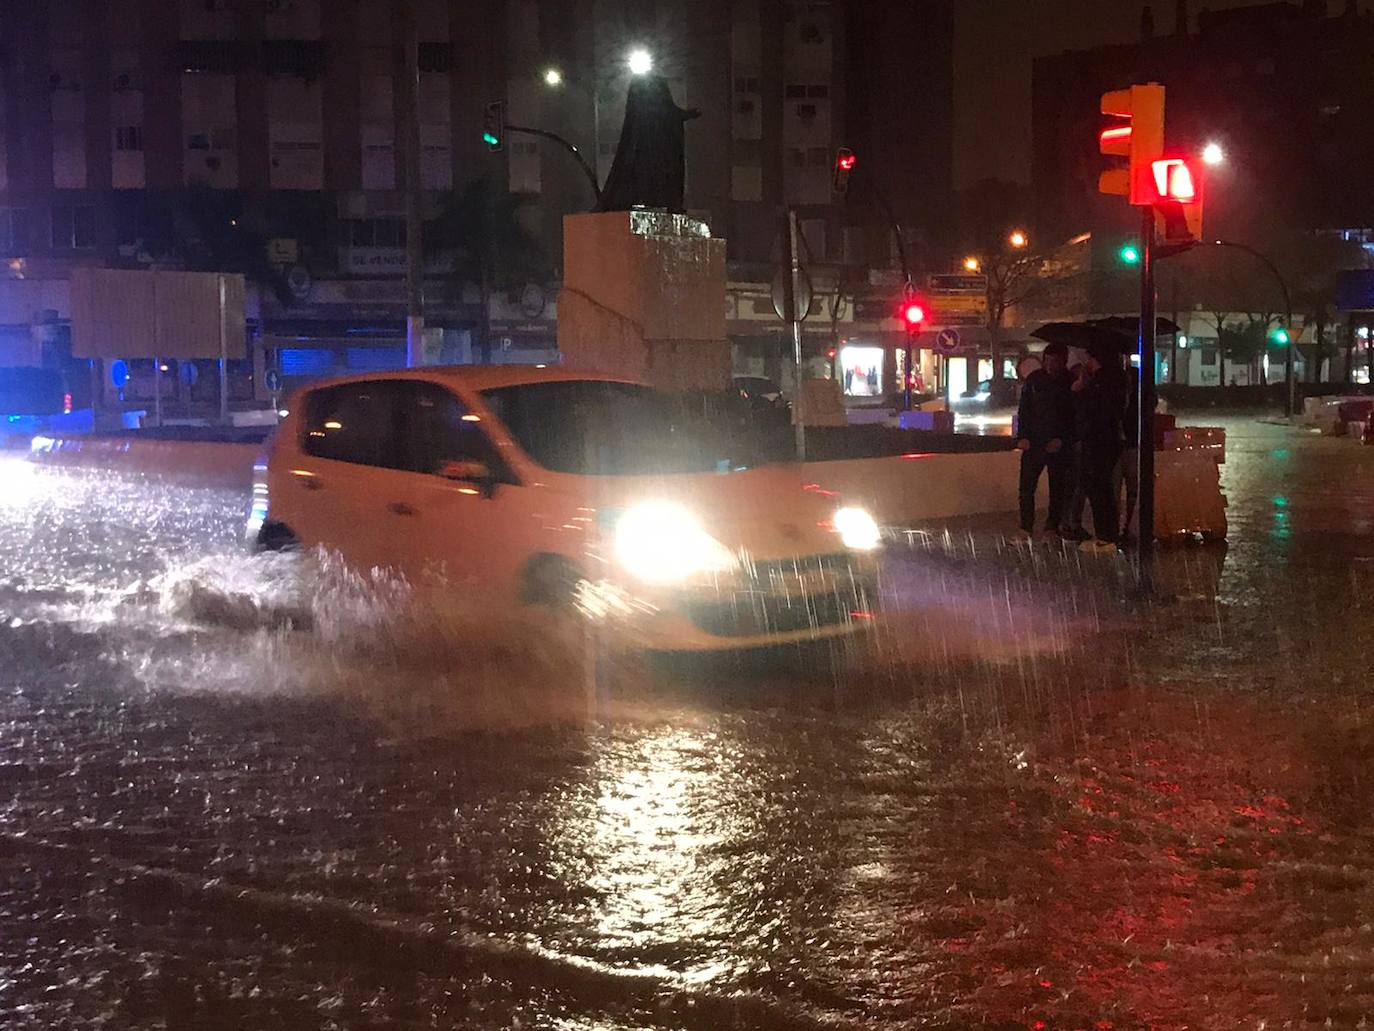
[662, 543]
[857, 529]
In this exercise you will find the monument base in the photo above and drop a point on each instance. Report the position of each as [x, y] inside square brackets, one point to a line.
[644, 297]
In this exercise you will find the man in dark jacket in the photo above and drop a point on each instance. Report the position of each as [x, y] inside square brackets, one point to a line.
[1100, 401]
[1044, 436]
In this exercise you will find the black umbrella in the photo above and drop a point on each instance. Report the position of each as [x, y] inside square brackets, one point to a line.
[1117, 332]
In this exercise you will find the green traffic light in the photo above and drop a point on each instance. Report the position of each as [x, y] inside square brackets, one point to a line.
[491, 139]
[1280, 336]
[1129, 255]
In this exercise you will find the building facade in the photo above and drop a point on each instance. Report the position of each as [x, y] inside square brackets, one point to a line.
[209, 129]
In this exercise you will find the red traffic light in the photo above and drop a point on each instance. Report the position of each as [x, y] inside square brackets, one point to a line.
[844, 164]
[913, 314]
[1174, 180]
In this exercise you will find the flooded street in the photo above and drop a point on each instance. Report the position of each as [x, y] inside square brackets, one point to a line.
[258, 793]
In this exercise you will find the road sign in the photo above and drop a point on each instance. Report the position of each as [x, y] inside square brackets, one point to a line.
[271, 379]
[947, 342]
[959, 284]
[804, 295]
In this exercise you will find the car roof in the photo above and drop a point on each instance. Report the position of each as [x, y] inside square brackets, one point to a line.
[477, 377]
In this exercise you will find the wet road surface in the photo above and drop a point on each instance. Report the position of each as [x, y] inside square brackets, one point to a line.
[260, 793]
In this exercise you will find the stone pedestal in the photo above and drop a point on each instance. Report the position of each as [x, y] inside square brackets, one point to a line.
[644, 297]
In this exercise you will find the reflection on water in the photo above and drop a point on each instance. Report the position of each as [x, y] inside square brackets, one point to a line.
[1042, 799]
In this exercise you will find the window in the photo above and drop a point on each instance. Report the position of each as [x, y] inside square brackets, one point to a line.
[436, 58]
[611, 429]
[129, 137]
[303, 58]
[746, 83]
[209, 56]
[72, 227]
[14, 231]
[795, 91]
[352, 423]
[437, 428]
[376, 232]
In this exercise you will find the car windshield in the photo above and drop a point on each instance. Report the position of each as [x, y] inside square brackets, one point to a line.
[607, 429]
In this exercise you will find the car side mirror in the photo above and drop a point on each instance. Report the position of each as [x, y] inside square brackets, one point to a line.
[477, 473]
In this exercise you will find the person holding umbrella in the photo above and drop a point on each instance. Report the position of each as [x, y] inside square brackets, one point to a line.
[1100, 396]
[1045, 435]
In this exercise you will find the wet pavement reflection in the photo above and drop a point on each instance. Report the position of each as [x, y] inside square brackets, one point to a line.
[256, 792]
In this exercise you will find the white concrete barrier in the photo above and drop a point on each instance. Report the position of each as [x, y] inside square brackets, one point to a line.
[916, 488]
[921, 488]
[206, 463]
[905, 490]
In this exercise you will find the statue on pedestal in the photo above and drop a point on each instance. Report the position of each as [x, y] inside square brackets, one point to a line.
[648, 171]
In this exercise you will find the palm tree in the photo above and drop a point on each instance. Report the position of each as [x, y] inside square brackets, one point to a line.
[484, 229]
[204, 230]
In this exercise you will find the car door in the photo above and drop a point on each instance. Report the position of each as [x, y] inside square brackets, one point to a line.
[350, 491]
[469, 520]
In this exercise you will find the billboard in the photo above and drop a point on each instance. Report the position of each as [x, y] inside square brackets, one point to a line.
[118, 313]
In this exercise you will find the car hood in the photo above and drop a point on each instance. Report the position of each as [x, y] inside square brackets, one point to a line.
[770, 513]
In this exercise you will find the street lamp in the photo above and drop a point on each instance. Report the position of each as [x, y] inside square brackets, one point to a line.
[1213, 154]
[972, 264]
[553, 78]
[640, 61]
[1018, 239]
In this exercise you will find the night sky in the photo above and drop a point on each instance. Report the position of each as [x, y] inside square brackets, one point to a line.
[995, 41]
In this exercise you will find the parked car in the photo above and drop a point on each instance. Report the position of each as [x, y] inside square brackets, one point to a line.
[36, 400]
[523, 485]
[765, 398]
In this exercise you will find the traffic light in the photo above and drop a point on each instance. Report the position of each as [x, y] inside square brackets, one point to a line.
[913, 314]
[1177, 185]
[1280, 336]
[1137, 135]
[494, 126]
[844, 164]
[1129, 254]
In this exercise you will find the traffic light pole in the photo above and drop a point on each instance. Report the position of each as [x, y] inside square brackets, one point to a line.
[415, 273]
[791, 297]
[1290, 359]
[1145, 427]
[569, 147]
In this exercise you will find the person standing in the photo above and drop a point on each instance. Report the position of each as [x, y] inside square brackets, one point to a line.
[1044, 436]
[1101, 414]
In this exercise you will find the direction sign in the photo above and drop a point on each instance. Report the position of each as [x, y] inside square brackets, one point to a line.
[947, 342]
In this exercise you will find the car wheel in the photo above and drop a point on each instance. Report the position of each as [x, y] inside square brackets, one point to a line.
[549, 580]
[277, 537]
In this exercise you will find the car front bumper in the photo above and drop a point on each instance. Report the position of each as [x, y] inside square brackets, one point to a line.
[769, 604]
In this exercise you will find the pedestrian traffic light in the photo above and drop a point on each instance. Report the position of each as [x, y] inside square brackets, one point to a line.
[844, 164]
[494, 126]
[1137, 135]
[1178, 200]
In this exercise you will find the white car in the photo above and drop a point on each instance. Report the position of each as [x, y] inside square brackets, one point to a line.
[540, 486]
